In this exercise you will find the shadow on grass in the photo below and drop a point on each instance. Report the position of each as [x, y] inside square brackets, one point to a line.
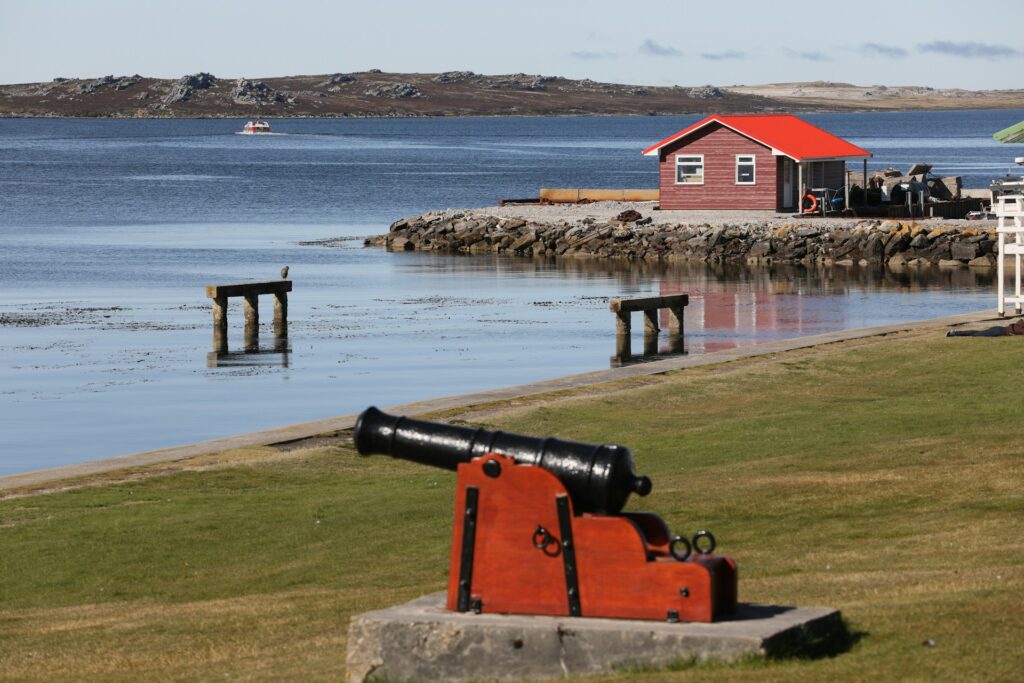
[829, 640]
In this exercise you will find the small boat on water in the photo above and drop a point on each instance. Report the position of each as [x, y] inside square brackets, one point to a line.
[256, 127]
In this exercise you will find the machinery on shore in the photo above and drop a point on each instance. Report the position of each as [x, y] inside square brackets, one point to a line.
[539, 527]
[1011, 183]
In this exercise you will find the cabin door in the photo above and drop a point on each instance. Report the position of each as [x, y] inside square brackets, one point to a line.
[787, 183]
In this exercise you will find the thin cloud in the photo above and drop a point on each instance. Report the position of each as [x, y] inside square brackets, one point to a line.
[583, 54]
[728, 54]
[969, 50]
[879, 50]
[809, 55]
[649, 47]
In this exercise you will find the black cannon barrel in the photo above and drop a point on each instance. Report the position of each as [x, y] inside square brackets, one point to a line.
[598, 478]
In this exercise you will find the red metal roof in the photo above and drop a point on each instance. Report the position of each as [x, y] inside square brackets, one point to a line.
[784, 133]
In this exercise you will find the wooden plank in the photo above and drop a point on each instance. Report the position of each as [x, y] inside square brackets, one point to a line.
[249, 288]
[644, 304]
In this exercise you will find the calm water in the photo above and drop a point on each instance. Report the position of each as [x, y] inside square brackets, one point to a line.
[110, 229]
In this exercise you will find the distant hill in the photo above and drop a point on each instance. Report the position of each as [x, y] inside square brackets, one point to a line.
[455, 93]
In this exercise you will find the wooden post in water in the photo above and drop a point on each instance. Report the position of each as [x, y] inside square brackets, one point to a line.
[220, 324]
[675, 329]
[623, 347]
[623, 325]
[651, 330]
[251, 306]
[651, 322]
[281, 315]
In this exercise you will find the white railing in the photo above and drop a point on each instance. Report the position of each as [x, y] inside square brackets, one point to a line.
[1011, 243]
[1009, 205]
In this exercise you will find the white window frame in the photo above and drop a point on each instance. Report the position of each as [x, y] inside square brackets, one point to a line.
[752, 163]
[679, 162]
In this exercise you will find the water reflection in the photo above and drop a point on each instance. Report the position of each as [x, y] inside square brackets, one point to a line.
[252, 355]
[655, 347]
[732, 305]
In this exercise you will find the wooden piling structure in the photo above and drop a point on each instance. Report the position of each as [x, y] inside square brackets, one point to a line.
[220, 324]
[281, 315]
[650, 307]
[250, 292]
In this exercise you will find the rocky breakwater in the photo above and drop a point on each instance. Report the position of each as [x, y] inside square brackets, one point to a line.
[898, 244]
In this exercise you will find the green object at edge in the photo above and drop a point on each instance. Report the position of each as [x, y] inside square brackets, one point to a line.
[1014, 133]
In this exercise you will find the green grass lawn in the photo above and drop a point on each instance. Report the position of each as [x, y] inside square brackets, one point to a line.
[884, 478]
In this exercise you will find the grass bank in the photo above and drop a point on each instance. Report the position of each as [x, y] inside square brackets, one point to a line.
[881, 477]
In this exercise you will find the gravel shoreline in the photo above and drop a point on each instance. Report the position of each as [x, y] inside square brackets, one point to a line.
[634, 230]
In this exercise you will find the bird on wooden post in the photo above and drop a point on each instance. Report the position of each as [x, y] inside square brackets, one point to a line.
[284, 273]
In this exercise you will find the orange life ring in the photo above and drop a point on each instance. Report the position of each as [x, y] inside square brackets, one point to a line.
[812, 206]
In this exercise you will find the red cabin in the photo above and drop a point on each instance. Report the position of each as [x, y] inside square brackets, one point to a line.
[750, 161]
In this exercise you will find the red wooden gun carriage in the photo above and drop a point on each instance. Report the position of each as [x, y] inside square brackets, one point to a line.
[539, 527]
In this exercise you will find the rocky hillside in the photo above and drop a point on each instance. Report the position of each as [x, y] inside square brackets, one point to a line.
[827, 94]
[377, 94]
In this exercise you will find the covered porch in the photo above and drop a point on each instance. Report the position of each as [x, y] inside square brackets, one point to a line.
[822, 178]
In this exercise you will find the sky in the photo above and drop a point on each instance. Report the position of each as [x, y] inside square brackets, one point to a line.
[937, 43]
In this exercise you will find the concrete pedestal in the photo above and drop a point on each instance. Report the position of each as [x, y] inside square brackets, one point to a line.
[422, 641]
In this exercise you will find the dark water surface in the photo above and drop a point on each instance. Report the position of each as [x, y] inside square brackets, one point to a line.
[110, 229]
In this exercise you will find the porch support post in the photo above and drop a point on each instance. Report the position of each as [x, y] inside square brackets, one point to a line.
[865, 180]
[846, 187]
[800, 187]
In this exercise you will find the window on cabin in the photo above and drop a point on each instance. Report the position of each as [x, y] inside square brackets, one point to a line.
[745, 169]
[690, 169]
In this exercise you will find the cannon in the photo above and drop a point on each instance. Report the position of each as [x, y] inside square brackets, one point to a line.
[539, 527]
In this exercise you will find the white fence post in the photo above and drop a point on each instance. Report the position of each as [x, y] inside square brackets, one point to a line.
[1010, 207]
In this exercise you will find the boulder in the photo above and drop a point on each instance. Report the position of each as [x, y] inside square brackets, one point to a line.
[873, 249]
[523, 242]
[897, 243]
[761, 249]
[705, 92]
[453, 76]
[338, 79]
[394, 91]
[985, 261]
[254, 92]
[897, 262]
[185, 86]
[964, 251]
[629, 216]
